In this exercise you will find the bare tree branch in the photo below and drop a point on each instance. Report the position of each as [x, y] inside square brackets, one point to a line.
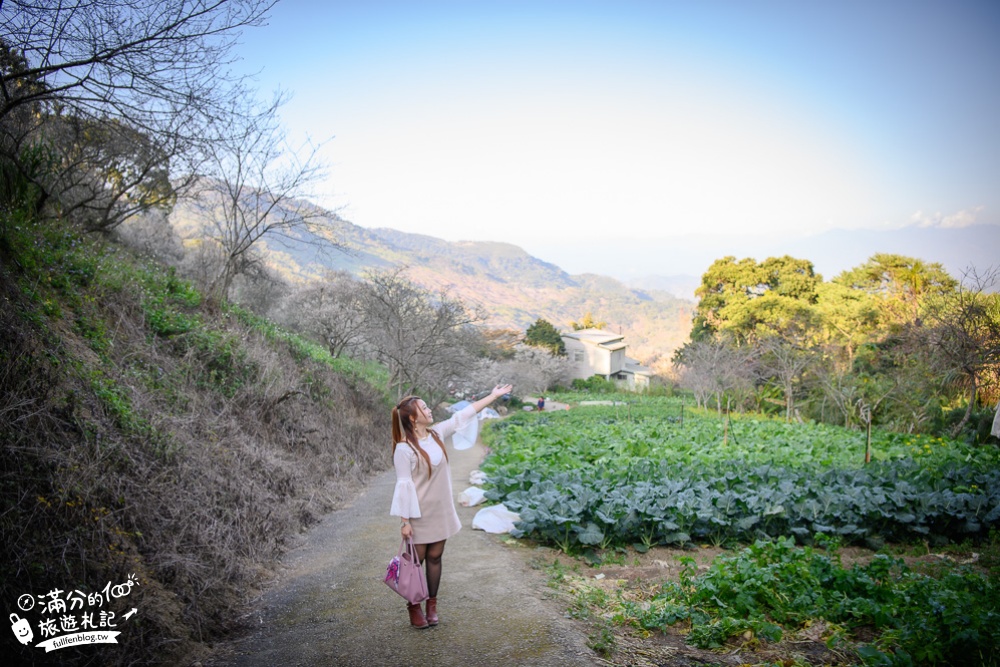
[254, 185]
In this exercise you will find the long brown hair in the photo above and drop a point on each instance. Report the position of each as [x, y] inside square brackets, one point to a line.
[402, 430]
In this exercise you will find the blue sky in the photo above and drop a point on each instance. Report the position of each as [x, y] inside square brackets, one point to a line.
[550, 124]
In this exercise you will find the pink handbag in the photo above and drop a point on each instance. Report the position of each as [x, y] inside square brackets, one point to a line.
[405, 574]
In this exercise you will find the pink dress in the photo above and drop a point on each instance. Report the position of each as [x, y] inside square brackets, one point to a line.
[429, 502]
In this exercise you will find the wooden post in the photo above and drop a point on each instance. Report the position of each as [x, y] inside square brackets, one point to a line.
[868, 443]
[865, 412]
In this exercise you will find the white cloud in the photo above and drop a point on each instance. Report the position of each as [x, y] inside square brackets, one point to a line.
[964, 218]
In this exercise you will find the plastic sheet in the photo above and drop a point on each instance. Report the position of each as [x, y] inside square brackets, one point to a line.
[471, 497]
[495, 519]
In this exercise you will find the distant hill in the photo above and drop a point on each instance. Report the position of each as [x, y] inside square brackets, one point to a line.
[681, 286]
[513, 287]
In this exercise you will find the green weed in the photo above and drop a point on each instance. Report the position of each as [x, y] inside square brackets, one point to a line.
[770, 589]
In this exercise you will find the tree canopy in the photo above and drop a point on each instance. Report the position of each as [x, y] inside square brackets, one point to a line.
[744, 298]
[543, 334]
[896, 339]
[587, 322]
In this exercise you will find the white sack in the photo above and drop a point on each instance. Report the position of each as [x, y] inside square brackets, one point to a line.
[495, 519]
[471, 497]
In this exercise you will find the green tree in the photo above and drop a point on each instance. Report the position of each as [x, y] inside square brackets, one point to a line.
[903, 287]
[587, 322]
[543, 334]
[848, 317]
[20, 163]
[746, 299]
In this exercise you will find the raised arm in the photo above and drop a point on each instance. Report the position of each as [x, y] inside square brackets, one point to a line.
[497, 392]
[466, 418]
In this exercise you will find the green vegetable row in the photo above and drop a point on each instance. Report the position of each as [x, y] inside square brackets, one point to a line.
[889, 500]
[575, 489]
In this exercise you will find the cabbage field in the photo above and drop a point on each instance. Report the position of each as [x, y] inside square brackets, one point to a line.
[647, 473]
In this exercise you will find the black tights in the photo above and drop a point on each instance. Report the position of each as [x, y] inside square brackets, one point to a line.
[430, 555]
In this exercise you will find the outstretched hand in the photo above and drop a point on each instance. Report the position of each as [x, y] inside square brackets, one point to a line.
[501, 389]
[497, 392]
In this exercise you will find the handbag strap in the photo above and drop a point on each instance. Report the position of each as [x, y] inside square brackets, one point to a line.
[410, 549]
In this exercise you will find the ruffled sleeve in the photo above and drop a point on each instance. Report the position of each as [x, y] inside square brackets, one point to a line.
[404, 497]
[463, 427]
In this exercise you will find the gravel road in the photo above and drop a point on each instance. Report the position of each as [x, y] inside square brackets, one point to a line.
[329, 605]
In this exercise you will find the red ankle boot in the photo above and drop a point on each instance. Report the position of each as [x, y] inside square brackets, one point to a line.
[417, 618]
[432, 612]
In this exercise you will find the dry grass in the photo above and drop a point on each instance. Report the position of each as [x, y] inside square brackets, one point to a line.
[188, 460]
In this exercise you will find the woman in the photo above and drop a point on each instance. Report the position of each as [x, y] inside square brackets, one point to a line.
[423, 497]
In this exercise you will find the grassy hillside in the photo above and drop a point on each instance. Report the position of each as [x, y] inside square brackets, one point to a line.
[148, 436]
[513, 287]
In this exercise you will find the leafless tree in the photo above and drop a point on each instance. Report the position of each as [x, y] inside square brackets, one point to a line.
[715, 367]
[150, 233]
[783, 362]
[966, 335]
[427, 340]
[531, 370]
[141, 60]
[254, 185]
[501, 343]
[331, 310]
[106, 172]
[839, 386]
[117, 91]
[203, 261]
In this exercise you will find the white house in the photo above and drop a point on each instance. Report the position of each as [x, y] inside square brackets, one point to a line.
[600, 352]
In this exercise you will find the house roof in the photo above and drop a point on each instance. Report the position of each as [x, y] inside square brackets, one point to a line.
[633, 366]
[595, 337]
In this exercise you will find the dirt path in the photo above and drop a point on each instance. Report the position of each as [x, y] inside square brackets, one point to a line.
[330, 607]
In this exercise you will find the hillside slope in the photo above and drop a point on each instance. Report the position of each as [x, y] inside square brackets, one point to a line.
[513, 287]
[148, 437]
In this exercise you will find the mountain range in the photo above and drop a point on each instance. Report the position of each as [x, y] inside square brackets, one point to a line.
[513, 288]
[637, 289]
